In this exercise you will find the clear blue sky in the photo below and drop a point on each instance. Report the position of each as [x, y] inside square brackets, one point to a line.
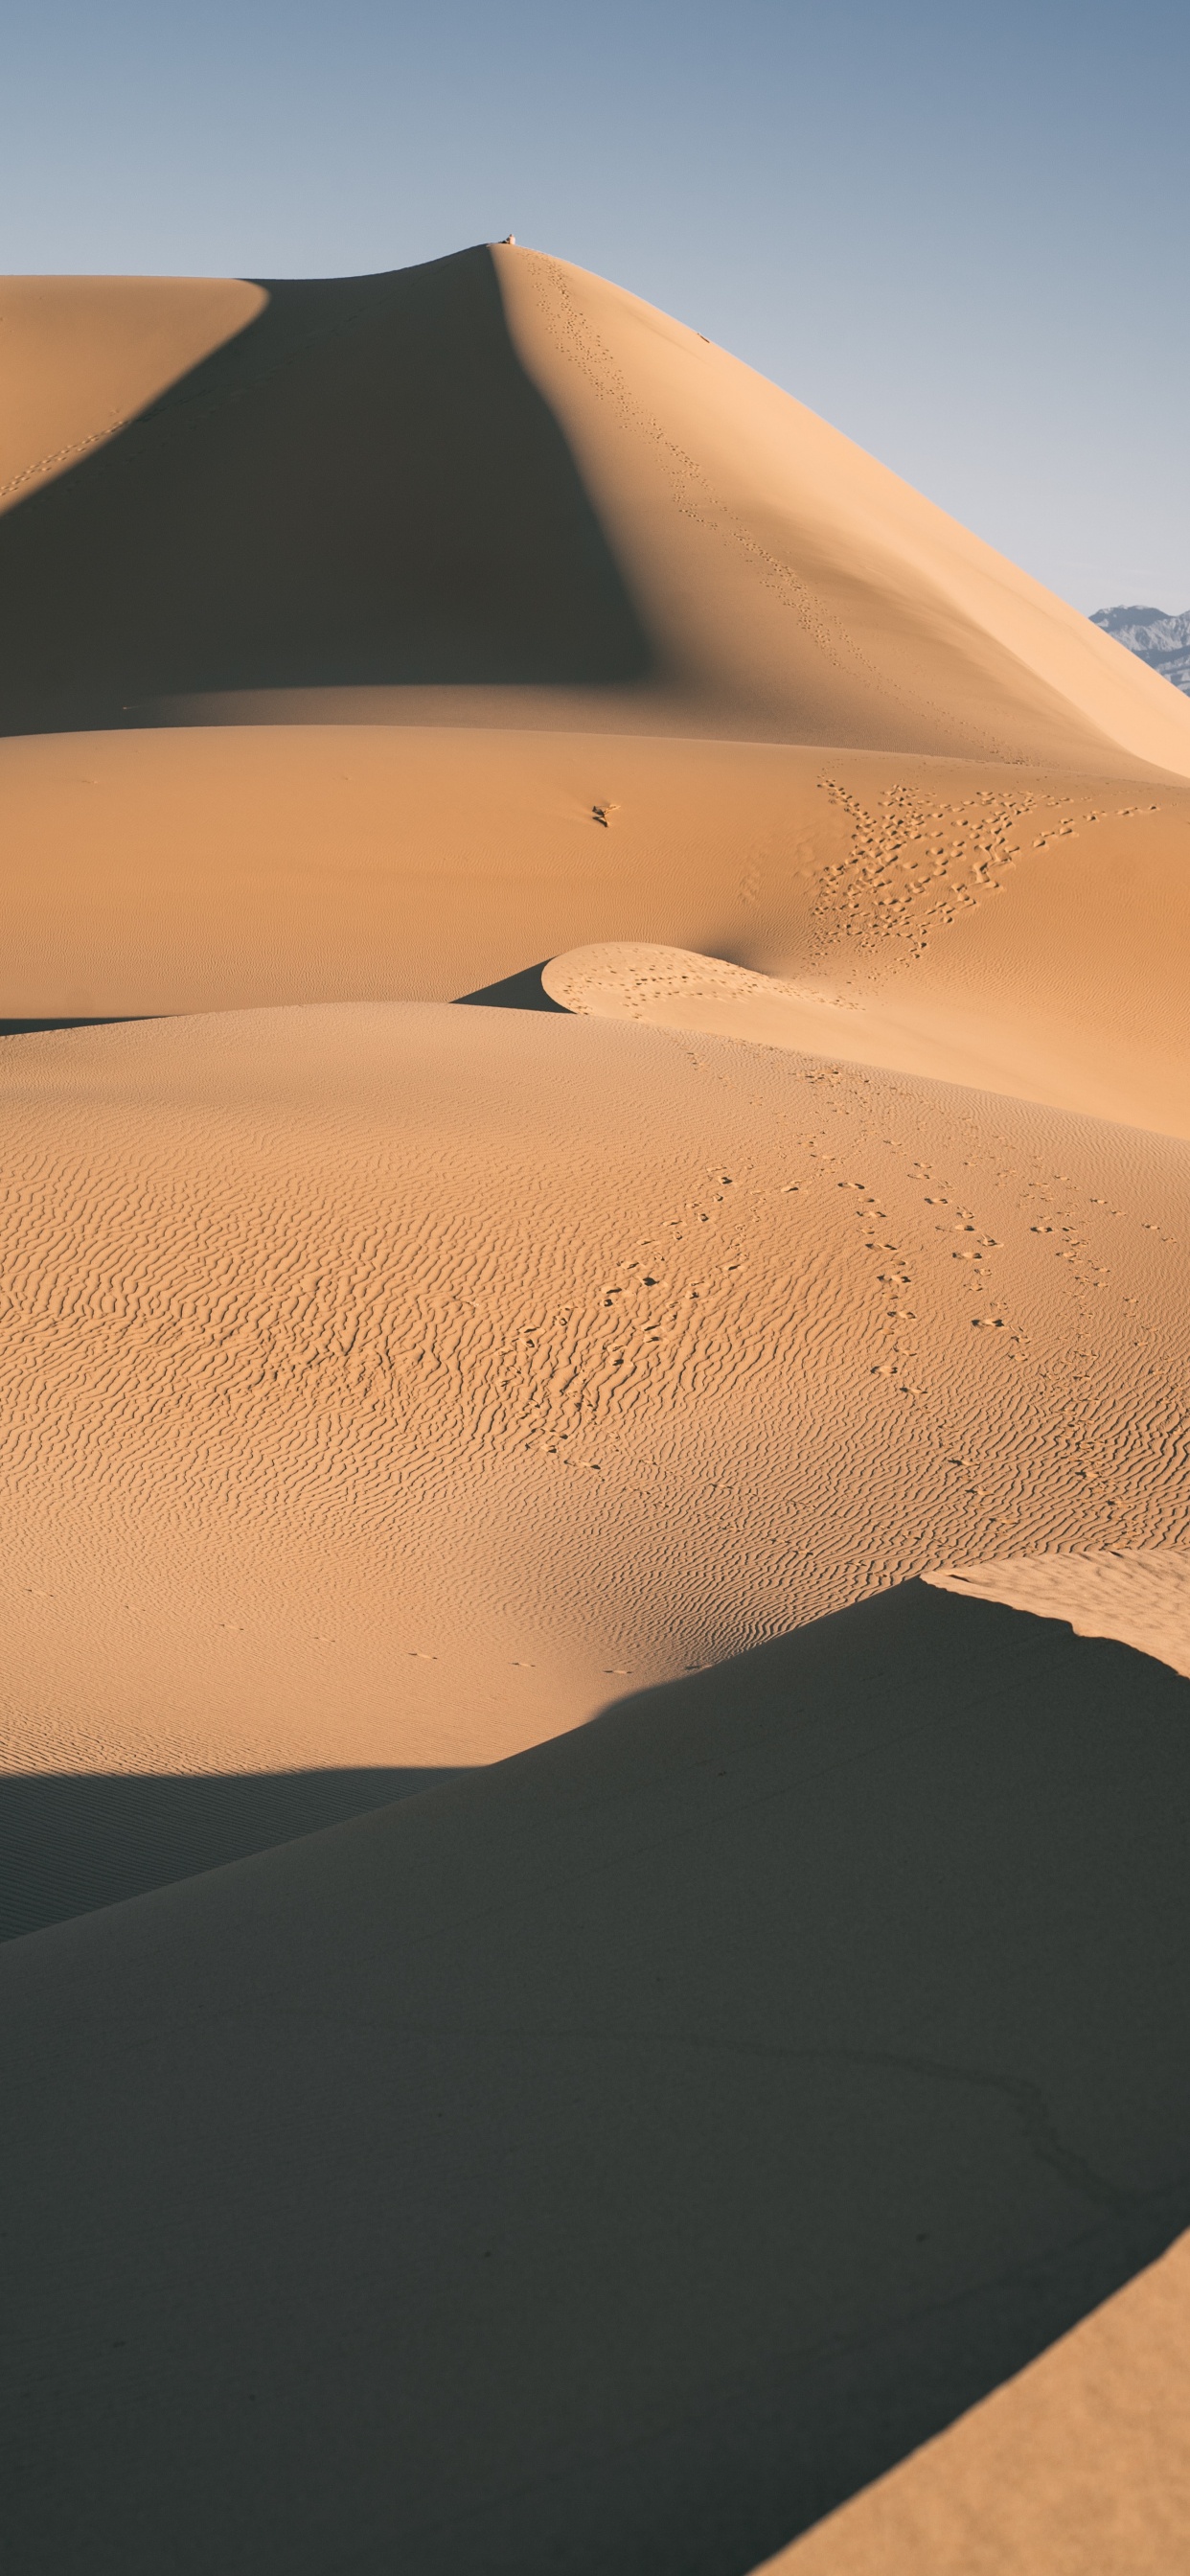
[957, 231]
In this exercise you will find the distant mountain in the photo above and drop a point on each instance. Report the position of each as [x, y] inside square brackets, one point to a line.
[1163, 642]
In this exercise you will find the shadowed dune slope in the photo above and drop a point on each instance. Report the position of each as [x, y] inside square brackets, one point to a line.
[1080, 2466]
[73, 1841]
[361, 486]
[1143, 1599]
[615, 2159]
[386, 1386]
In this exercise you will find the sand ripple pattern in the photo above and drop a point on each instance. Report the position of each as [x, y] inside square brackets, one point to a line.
[339, 1344]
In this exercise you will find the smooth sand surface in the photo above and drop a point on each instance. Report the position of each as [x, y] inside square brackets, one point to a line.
[1072, 1054]
[574, 2013]
[85, 356]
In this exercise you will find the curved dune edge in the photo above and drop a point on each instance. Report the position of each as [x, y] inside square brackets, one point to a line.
[677, 988]
[1024, 933]
[932, 1035]
[1140, 1596]
[1079, 2466]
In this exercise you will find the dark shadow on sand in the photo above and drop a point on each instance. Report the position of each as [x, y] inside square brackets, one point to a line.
[616, 2159]
[363, 487]
[33, 1028]
[70, 1842]
[521, 992]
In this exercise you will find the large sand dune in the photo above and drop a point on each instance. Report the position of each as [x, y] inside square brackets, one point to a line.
[500, 475]
[619, 2156]
[824, 724]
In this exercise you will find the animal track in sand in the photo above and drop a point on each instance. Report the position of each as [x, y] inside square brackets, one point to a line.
[901, 874]
[913, 866]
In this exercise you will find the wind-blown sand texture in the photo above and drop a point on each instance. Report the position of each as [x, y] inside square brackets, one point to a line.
[748, 2030]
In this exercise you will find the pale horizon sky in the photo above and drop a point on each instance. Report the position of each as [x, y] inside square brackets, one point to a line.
[957, 234]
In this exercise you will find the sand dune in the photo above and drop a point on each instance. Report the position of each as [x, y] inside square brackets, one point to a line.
[1079, 1057]
[86, 356]
[632, 2013]
[499, 474]
[385, 1384]
[1023, 930]
[625, 575]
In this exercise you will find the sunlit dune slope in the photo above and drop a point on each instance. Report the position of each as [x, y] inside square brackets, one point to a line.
[1018, 1003]
[85, 356]
[391, 1385]
[782, 572]
[617, 2159]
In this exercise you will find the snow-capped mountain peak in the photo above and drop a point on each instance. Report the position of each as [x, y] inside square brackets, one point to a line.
[1160, 640]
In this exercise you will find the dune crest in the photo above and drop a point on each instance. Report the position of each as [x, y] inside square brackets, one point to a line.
[599, 627]
[1141, 1596]
[84, 356]
[905, 1028]
[558, 498]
